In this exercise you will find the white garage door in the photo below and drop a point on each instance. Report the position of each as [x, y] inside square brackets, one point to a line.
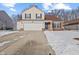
[33, 26]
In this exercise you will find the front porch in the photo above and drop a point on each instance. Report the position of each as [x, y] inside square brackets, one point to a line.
[54, 25]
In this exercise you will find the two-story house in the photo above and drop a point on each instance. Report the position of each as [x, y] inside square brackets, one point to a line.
[35, 19]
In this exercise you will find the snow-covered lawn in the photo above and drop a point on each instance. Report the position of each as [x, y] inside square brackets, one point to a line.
[63, 42]
[2, 33]
[6, 32]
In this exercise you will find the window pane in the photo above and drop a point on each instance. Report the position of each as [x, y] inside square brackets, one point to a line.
[56, 25]
[38, 15]
[27, 15]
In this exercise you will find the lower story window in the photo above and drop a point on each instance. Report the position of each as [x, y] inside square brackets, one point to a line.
[56, 25]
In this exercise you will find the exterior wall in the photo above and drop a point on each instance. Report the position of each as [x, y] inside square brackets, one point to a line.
[30, 25]
[72, 27]
[37, 25]
[20, 25]
[57, 25]
[62, 25]
[33, 11]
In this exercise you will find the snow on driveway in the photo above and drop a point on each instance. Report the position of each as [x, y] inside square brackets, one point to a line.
[7, 42]
[6, 32]
[63, 42]
[2, 33]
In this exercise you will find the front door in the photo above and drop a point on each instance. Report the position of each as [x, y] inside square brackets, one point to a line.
[47, 24]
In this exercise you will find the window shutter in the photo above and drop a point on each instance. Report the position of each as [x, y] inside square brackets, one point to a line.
[25, 15]
[36, 15]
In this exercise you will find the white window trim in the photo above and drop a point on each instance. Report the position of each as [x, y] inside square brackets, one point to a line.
[27, 16]
[38, 16]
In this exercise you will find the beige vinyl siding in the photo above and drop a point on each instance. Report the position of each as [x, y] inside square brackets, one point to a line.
[33, 19]
[33, 11]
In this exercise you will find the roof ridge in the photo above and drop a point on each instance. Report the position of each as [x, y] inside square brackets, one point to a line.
[31, 7]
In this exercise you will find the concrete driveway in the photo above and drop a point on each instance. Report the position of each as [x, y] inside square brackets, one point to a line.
[27, 43]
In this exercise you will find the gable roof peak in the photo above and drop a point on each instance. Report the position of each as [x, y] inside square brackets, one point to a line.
[34, 5]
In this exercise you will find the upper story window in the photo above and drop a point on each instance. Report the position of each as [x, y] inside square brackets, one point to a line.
[27, 15]
[38, 15]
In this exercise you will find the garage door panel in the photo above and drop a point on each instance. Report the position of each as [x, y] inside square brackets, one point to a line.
[33, 26]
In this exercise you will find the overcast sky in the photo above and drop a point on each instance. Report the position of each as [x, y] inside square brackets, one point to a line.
[17, 8]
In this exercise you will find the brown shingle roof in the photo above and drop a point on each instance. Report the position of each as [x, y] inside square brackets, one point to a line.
[52, 17]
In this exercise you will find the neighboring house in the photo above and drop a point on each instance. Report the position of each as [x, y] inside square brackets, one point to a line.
[71, 25]
[35, 19]
[6, 22]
